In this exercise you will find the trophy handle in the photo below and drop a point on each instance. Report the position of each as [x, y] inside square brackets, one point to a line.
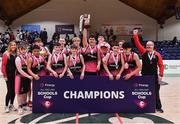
[81, 23]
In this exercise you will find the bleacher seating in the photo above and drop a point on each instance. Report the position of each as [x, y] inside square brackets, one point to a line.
[166, 49]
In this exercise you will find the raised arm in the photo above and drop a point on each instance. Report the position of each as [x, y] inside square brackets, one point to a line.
[137, 43]
[85, 39]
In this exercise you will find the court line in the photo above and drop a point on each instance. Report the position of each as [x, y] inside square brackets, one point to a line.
[119, 119]
[77, 118]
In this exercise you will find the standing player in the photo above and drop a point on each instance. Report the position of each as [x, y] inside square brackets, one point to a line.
[120, 46]
[104, 49]
[101, 39]
[132, 65]
[113, 62]
[76, 64]
[91, 54]
[151, 60]
[36, 67]
[76, 41]
[62, 42]
[23, 79]
[8, 71]
[36, 64]
[57, 64]
[43, 50]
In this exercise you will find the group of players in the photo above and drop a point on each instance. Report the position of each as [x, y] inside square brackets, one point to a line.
[115, 60]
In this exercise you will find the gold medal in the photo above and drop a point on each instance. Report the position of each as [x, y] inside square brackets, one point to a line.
[151, 56]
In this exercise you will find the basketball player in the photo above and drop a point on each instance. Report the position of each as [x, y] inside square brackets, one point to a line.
[76, 65]
[23, 79]
[113, 62]
[91, 54]
[57, 64]
[132, 63]
[36, 64]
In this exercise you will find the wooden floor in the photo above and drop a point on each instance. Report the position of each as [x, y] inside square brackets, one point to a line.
[170, 97]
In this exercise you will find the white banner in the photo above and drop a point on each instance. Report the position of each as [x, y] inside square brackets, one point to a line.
[171, 66]
[122, 29]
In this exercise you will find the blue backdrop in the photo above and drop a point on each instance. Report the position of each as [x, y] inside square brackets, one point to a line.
[31, 28]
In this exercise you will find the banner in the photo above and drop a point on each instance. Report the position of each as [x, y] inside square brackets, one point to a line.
[171, 66]
[121, 29]
[30, 28]
[93, 95]
[65, 29]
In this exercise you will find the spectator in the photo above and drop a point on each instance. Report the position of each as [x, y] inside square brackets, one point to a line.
[12, 37]
[44, 36]
[174, 41]
[55, 37]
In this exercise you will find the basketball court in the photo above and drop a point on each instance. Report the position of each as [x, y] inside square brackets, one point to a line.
[170, 102]
[51, 20]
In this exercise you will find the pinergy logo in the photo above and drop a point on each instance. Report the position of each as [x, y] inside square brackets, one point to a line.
[47, 85]
[141, 85]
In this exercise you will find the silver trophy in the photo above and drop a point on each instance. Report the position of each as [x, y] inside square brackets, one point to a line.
[84, 22]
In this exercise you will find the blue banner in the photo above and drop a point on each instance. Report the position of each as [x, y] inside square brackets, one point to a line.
[65, 29]
[94, 94]
[30, 28]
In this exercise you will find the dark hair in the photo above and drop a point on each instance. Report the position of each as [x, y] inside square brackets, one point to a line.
[57, 44]
[101, 35]
[127, 45]
[91, 36]
[35, 47]
[73, 46]
[114, 43]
